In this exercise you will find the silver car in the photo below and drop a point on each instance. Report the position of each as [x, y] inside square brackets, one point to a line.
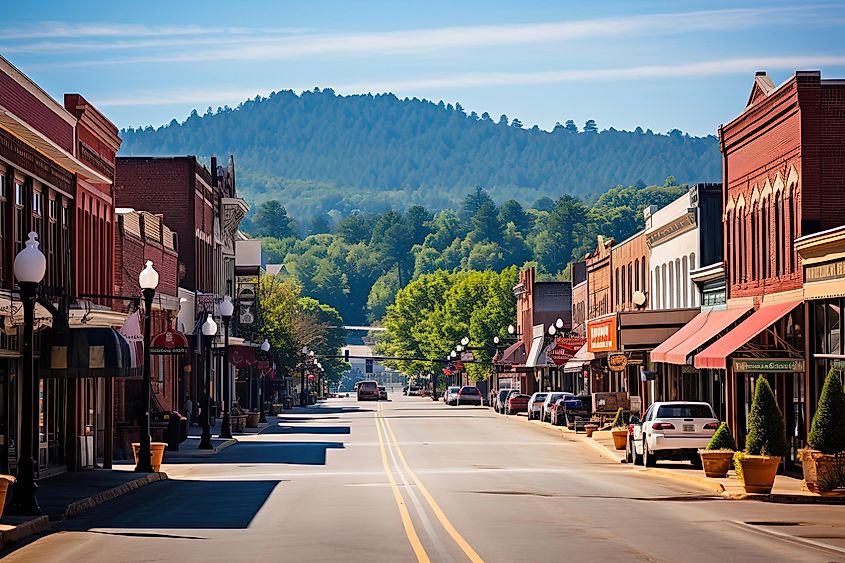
[548, 403]
[450, 397]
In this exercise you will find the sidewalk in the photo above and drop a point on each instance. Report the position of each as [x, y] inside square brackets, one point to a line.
[68, 494]
[786, 489]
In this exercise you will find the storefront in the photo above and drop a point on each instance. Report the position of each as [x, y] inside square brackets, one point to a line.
[576, 372]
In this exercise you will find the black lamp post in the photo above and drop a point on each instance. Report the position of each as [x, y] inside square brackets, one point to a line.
[265, 347]
[148, 280]
[303, 393]
[30, 266]
[209, 330]
[227, 309]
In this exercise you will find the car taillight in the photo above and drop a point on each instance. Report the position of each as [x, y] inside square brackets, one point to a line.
[711, 426]
[630, 430]
[662, 426]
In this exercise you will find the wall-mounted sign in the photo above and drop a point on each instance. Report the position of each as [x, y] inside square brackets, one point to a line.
[826, 271]
[170, 341]
[601, 335]
[768, 366]
[467, 357]
[617, 362]
[564, 349]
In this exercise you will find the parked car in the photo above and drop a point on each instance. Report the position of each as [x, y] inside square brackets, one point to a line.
[673, 430]
[450, 397]
[502, 399]
[561, 406]
[414, 390]
[551, 399]
[535, 404]
[368, 390]
[517, 403]
[382, 393]
[469, 395]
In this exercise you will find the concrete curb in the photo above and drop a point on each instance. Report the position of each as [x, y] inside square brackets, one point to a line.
[579, 437]
[210, 453]
[785, 498]
[23, 530]
[703, 482]
[80, 506]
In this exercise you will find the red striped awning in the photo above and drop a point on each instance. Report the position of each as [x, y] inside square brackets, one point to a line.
[715, 356]
[689, 329]
[716, 322]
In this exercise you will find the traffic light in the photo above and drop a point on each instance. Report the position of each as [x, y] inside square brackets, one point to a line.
[368, 366]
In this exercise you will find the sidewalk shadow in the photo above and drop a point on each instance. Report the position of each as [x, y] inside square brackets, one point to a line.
[246, 453]
[179, 504]
[307, 430]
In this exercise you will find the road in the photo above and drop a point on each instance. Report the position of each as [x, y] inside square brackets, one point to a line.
[414, 480]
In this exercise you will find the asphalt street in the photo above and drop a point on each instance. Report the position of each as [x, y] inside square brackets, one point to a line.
[411, 479]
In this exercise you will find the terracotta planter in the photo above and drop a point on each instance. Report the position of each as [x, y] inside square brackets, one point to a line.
[5, 481]
[252, 420]
[716, 463]
[822, 472]
[238, 422]
[590, 428]
[758, 473]
[620, 438]
[157, 449]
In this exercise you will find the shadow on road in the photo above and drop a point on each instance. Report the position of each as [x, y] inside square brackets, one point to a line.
[307, 430]
[304, 453]
[180, 504]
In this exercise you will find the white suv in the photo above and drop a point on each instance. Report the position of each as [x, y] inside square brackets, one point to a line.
[535, 405]
[673, 430]
[450, 397]
[549, 402]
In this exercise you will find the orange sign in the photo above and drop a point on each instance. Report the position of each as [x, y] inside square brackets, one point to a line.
[601, 335]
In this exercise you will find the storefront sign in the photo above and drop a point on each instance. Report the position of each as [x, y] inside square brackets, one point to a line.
[768, 366]
[617, 363]
[564, 350]
[602, 335]
[169, 342]
[467, 357]
[823, 272]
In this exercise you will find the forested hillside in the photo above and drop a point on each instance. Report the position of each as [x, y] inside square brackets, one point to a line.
[321, 153]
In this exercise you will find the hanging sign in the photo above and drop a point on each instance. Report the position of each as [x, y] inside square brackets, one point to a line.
[617, 363]
[564, 350]
[169, 342]
[602, 335]
[768, 366]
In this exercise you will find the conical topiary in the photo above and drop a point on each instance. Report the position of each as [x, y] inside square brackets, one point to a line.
[827, 432]
[722, 439]
[766, 430]
[619, 419]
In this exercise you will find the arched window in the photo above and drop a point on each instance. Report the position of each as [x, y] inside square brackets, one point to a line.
[671, 285]
[644, 272]
[753, 245]
[685, 280]
[678, 282]
[665, 277]
[618, 294]
[765, 238]
[779, 234]
[793, 228]
[655, 290]
[622, 288]
[637, 274]
[729, 242]
[692, 288]
[630, 281]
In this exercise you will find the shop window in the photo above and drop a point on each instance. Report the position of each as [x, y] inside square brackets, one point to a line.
[21, 225]
[833, 329]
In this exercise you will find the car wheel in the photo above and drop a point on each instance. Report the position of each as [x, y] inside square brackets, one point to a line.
[649, 459]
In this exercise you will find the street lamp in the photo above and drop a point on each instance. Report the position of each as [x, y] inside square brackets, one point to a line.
[465, 340]
[552, 330]
[227, 309]
[209, 330]
[303, 394]
[496, 340]
[265, 347]
[30, 266]
[148, 281]
[459, 348]
[559, 323]
[511, 329]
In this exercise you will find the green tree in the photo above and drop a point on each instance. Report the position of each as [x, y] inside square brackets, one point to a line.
[766, 429]
[272, 220]
[827, 432]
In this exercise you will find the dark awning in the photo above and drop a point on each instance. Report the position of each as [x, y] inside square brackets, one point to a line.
[87, 352]
[513, 354]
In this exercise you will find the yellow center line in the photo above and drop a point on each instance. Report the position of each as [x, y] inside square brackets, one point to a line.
[459, 539]
[410, 531]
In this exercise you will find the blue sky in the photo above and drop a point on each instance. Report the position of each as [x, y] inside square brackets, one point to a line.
[659, 65]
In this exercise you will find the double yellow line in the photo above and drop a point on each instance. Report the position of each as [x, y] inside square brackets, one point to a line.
[386, 435]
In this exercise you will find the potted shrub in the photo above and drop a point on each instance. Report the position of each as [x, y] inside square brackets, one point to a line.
[765, 445]
[157, 451]
[252, 419]
[823, 460]
[237, 418]
[717, 456]
[619, 429]
[5, 481]
[589, 428]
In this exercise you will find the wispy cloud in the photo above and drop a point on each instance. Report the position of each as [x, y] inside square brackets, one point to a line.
[748, 65]
[254, 46]
[55, 29]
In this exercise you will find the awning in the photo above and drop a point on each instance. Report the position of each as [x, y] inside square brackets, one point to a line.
[534, 353]
[689, 329]
[87, 352]
[716, 322]
[583, 356]
[513, 354]
[715, 355]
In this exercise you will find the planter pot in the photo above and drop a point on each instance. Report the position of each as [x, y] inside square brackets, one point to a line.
[5, 481]
[822, 472]
[238, 422]
[157, 449]
[252, 420]
[758, 473]
[590, 428]
[620, 438]
[716, 463]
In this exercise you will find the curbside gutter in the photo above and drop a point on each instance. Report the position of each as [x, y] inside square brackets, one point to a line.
[703, 482]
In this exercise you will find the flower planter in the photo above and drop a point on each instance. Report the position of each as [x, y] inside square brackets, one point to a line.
[620, 438]
[157, 449]
[238, 422]
[252, 420]
[758, 473]
[5, 481]
[590, 428]
[716, 463]
[823, 473]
